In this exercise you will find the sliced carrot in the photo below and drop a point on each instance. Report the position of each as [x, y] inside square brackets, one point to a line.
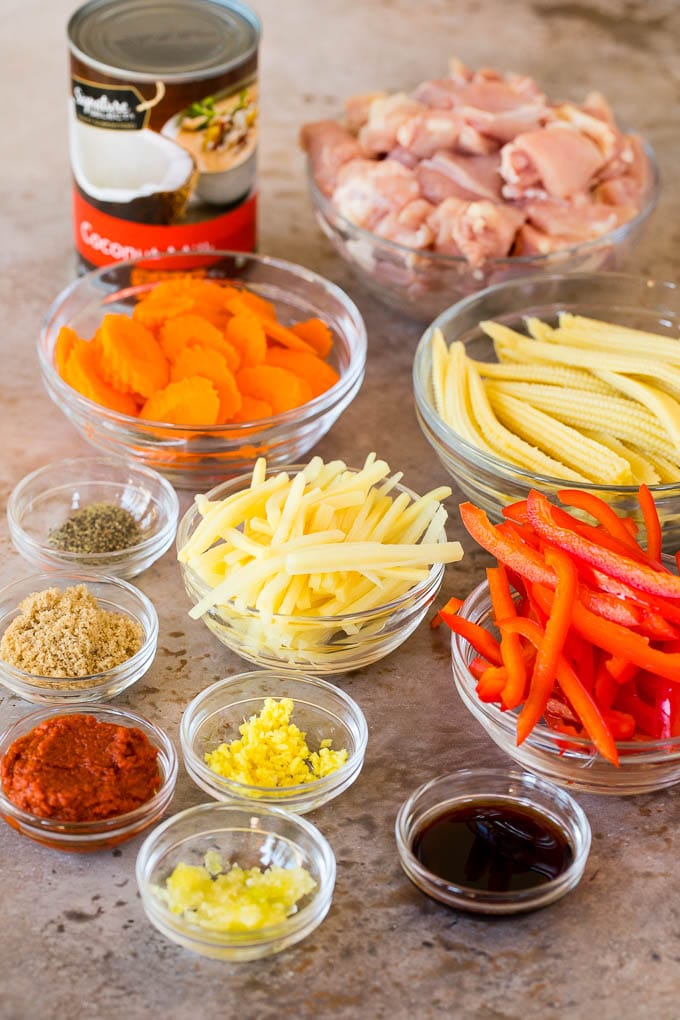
[316, 333]
[245, 333]
[178, 402]
[319, 374]
[278, 387]
[252, 409]
[81, 373]
[185, 331]
[153, 313]
[66, 340]
[130, 357]
[263, 309]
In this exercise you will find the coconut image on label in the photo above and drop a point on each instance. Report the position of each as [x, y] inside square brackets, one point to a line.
[122, 167]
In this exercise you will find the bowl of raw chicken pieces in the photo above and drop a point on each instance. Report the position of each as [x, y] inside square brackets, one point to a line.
[472, 179]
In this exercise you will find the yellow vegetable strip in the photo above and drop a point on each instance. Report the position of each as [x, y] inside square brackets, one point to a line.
[554, 375]
[509, 446]
[596, 462]
[643, 470]
[440, 356]
[666, 409]
[371, 556]
[457, 411]
[597, 334]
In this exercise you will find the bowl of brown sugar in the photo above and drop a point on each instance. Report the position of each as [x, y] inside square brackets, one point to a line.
[98, 514]
[68, 638]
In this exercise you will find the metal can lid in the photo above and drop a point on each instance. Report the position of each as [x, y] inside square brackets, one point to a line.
[176, 40]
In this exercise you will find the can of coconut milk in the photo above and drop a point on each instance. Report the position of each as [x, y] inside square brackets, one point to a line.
[163, 121]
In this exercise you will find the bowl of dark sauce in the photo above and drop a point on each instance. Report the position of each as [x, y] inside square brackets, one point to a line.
[491, 841]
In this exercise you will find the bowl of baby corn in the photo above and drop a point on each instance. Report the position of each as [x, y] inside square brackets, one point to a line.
[554, 382]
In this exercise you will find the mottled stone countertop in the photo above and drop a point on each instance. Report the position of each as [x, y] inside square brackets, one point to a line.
[74, 941]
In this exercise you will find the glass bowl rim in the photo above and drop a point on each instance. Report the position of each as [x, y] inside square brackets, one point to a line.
[283, 794]
[417, 591]
[357, 350]
[98, 826]
[322, 851]
[145, 607]
[167, 500]
[450, 439]
[327, 209]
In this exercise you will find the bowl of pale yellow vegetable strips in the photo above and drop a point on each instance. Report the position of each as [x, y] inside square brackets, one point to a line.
[316, 567]
[558, 382]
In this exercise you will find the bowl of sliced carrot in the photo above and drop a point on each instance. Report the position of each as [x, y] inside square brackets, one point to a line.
[198, 372]
[569, 653]
[556, 380]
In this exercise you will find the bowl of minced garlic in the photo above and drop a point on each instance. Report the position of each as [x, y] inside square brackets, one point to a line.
[74, 638]
[277, 738]
[236, 881]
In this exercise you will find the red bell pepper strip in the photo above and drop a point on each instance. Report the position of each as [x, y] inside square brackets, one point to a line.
[551, 646]
[621, 724]
[667, 609]
[647, 718]
[491, 683]
[503, 606]
[477, 666]
[606, 687]
[637, 574]
[583, 704]
[483, 642]
[452, 606]
[602, 513]
[652, 522]
[506, 547]
[615, 639]
[620, 670]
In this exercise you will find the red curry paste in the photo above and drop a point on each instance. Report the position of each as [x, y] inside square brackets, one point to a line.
[77, 769]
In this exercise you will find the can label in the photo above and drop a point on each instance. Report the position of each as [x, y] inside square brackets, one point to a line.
[162, 167]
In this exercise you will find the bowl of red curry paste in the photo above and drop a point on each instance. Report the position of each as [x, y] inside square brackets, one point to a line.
[84, 779]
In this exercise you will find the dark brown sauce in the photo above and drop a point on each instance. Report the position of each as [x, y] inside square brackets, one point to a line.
[493, 846]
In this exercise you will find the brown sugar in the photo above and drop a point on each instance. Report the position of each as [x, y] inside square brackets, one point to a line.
[64, 633]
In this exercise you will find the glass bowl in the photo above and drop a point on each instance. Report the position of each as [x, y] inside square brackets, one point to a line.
[102, 833]
[571, 762]
[422, 283]
[322, 644]
[113, 595]
[44, 500]
[503, 788]
[490, 482]
[193, 456]
[250, 836]
[322, 711]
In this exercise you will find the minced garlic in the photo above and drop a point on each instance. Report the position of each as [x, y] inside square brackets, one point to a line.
[272, 751]
[230, 898]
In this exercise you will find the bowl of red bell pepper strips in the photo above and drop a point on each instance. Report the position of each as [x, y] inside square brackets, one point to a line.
[569, 653]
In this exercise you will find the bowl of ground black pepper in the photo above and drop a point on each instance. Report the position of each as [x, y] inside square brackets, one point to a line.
[67, 638]
[100, 514]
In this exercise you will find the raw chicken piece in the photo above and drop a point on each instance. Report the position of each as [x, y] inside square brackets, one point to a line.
[507, 124]
[531, 241]
[557, 160]
[385, 117]
[626, 179]
[409, 226]
[403, 155]
[428, 132]
[438, 94]
[480, 230]
[605, 136]
[468, 177]
[578, 218]
[597, 105]
[472, 143]
[368, 190]
[329, 146]
[495, 96]
[357, 109]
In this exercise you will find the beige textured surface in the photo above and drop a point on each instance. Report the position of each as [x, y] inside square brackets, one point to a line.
[73, 939]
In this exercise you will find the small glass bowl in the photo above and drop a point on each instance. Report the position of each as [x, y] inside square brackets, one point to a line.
[515, 789]
[200, 455]
[44, 500]
[321, 711]
[113, 595]
[423, 283]
[491, 482]
[572, 762]
[332, 644]
[84, 837]
[250, 836]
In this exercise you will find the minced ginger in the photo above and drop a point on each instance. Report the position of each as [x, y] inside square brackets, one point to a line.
[273, 752]
[230, 898]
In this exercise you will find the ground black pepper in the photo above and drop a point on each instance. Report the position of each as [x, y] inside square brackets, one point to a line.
[97, 528]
